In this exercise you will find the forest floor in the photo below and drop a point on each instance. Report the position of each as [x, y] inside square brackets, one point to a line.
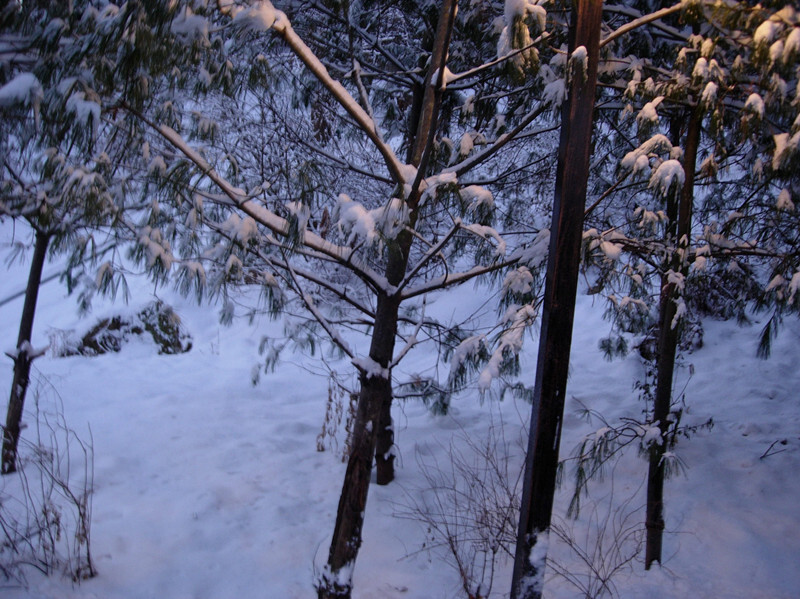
[206, 486]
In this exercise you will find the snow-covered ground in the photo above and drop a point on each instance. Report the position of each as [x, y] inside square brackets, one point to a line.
[209, 487]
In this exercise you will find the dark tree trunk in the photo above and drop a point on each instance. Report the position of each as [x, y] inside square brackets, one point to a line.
[372, 427]
[384, 456]
[678, 232]
[425, 117]
[23, 358]
[559, 309]
[336, 581]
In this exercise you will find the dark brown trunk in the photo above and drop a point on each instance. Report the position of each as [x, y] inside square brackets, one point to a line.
[678, 233]
[23, 358]
[423, 128]
[372, 428]
[336, 581]
[559, 308]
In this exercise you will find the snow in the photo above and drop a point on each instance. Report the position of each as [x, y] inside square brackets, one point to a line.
[765, 32]
[535, 254]
[658, 144]
[464, 350]
[668, 176]
[157, 167]
[189, 24]
[392, 218]
[242, 229]
[794, 285]
[258, 17]
[680, 312]
[537, 559]
[555, 93]
[511, 340]
[755, 103]
[487, 232]
[208, 487]
[371, 368]
[776, 52]
[514, 10]
[775, 283]
[785, 146]
[648, 112]
[522, 8]
[85, 111]
[354, 220]
[709, 95]
[300, 212]
[518, 280]
[476, 196]
[791, 47]
[580, 55]
[707, 47]
[701, 70]
[22, 89]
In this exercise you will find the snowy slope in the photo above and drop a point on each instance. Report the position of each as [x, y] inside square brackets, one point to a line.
[208, 487]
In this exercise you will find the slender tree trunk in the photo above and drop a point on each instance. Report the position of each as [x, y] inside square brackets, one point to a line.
[336, 582]
[372, 427]
[23, 358]
[422, 129]
[668, 337]
[559, 308]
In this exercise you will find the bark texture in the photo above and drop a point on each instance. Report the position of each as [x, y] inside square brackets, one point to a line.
[372, 431]
[23, 358]
[559, 307]
[679, 214]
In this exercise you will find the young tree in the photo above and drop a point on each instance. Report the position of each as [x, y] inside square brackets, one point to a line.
[720, 83]
[363, 262]
[53, 176]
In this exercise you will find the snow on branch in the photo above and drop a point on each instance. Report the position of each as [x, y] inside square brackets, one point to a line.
[258, 212]
[454, 77]
[510, 342]
[638, 159]
[433, 251]
[644, 20]
[480, 157]
[371, 368]
[23, 89]
[485, 232]
[281, 25]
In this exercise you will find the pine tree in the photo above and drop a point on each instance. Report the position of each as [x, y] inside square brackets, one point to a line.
[697, 104]
[327, 216]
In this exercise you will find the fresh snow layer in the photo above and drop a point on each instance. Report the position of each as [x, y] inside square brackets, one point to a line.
[208, 487]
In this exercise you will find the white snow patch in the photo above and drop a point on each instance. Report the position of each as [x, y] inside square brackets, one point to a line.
[709, 95]
[371, 368]
[755, 103]
[555, 93]
[668, 176]
[486, 232]
[477, 196]
[258, 17]
[784, 201]
[22, 89]
[658, 144]
[518, 280]
[765, 33]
